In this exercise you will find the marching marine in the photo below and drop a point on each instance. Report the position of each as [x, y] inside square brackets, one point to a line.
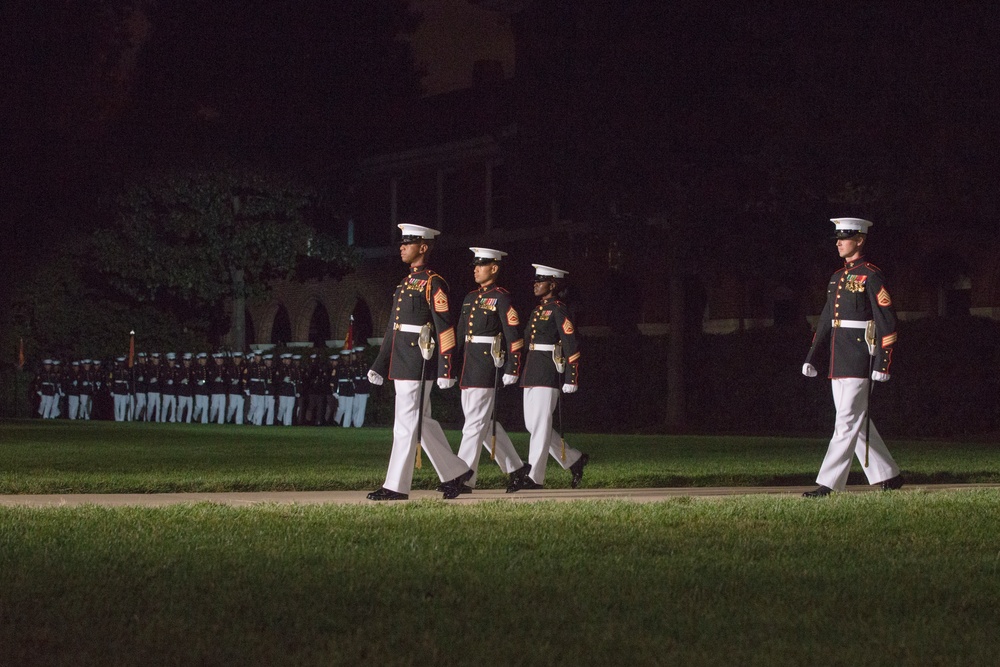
[487, 312]
[549, 329]
[420, 315]
[860, 324]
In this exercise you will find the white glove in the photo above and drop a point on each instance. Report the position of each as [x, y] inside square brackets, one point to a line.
[446, 383]
[809, 370]
[569, 388]
[879, 376]
[509, 379]
[375, 378]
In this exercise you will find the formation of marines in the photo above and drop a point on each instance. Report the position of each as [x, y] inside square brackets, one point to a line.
[208, 388]
[421, 345]
[483, 351]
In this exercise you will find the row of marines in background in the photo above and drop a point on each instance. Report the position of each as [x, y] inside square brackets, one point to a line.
[188, 388]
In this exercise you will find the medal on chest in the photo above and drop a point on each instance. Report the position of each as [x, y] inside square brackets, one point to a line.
[855, 283]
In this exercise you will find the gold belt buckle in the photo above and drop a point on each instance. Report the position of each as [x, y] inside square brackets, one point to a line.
[836, 324]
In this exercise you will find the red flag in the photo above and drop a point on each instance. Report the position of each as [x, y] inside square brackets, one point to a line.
[20, 355]
[131, 348]
[349, 341]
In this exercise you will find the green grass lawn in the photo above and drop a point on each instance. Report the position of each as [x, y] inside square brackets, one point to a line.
[105, 457]
[903, 578]
[908, 578]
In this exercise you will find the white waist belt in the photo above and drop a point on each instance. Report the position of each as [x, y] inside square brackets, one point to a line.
[479, 339]
[408, 328]
[540, 347]
[850, 324]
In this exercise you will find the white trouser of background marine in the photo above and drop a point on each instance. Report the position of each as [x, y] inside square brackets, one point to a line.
[236, 407]
[359, 404]
[45, 409]
[72, 406]
[399, 477]
[850, 397]
[539, 402]
[345, 410]
[217, 411]
[121, 407]
[256, 412]
[286, 408]
[185, 405]
[138, 403]
[168, 408]
[269, 410]
[477, 404]
[200, 408]
[86, 405]
[153, 406]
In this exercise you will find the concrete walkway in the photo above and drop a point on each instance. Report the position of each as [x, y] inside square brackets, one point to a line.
[239, 499]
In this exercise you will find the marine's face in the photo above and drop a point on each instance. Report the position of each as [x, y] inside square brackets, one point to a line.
[544, 287]
[849, 248]
[411, 252]
[484, 274]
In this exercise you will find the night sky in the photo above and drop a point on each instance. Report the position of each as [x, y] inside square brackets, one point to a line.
[897, 96]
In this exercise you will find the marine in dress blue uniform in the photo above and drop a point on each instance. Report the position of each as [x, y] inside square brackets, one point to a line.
[487, 312]
[421, 298]
[362, 388]
[856, 296]
[550, 323]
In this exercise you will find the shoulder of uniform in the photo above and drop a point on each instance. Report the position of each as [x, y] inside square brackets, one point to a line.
[501, 290]
[432, 276]
[872, 267]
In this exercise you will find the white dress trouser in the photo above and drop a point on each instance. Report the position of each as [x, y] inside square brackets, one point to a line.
[399, 477]
[345, 410]
[539, 402]
[168, 408]
[217, 409]
[45, 406]
[235, 414]
[359, 404]
[850, 397]
[286, 407]
[184, 407]
[201, 408]
[268, 418]
[72, 406]
[153, 406]
[477, 404]
[256, 409]
[86, 405]
[138, 403]
[121, 407]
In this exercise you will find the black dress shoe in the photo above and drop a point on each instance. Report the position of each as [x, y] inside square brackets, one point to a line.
[453, 488]
[892, 484]
[517, 478]
[821, 492]
[387, 494]
[577, 470]
[530, 485]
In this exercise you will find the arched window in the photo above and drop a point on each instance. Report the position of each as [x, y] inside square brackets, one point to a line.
[249, 331]
[363, 328]
[281, 330]
[319, 326]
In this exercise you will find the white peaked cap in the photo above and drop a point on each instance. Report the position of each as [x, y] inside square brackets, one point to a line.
[549, 272]
[847, 227]
[417, 232]
[488, 254]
